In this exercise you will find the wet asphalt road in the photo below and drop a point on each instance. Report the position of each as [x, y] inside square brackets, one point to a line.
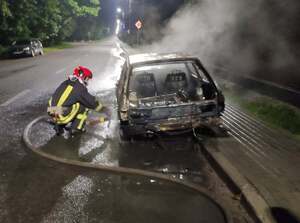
[37, 190]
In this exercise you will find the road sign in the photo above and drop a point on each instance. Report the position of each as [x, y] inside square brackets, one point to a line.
[138, 24]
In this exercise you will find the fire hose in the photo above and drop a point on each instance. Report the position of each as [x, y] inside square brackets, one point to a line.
[118, 170]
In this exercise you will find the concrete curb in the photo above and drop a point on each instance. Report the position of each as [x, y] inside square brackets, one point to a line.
[254, 200]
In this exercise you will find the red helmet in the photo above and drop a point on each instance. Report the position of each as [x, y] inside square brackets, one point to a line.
[83, 74]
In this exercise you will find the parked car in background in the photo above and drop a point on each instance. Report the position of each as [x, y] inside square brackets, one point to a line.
[26, 47]
[166, 93]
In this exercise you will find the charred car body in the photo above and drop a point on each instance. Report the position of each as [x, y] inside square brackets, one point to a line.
[166, 93]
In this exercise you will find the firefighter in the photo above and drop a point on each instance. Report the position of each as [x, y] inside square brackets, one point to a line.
[71, 101]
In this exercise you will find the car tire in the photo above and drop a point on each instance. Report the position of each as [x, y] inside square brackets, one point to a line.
[41, 52]
[124, 136]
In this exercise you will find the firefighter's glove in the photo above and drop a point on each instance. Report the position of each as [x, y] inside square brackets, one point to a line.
[107, 112]
[55, 110]
[99, 106]
[102, 119]
[94, 122]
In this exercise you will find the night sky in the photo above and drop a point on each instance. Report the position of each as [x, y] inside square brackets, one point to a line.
[107, 13]
[166, 8]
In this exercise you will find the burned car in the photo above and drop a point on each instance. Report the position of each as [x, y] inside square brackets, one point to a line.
[166, 93]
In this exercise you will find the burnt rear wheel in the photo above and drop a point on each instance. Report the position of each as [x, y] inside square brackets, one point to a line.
[124, 135]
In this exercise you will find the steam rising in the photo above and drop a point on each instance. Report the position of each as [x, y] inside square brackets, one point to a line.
[251, 37]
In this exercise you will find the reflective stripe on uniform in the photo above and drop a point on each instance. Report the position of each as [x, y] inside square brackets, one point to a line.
[64, 95]
[82, 118]
[66, 119]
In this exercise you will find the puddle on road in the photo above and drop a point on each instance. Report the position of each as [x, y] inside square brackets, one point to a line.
[177, 156]
[111, 198]
[129, 199]
[90, 196]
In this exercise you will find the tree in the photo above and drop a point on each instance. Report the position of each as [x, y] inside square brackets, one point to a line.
[50, 20]
[80, 13]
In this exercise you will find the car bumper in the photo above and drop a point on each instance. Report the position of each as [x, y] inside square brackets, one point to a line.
[170, 125]
[21, 53]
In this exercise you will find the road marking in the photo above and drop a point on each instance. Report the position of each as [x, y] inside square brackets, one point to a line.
[11, 100]
[60, 71]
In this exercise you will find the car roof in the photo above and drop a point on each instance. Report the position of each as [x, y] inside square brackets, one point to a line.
[136, 59]
[27, 39]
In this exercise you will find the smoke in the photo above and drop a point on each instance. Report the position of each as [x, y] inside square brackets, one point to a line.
[247, 37]
[152, 24]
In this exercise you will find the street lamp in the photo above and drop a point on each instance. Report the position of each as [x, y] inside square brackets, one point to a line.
[118, 26]
[119, 10]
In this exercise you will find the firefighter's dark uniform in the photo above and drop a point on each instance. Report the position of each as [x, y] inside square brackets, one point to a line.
[70, 103]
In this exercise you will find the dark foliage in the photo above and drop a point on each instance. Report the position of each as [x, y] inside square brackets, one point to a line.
[49, 20]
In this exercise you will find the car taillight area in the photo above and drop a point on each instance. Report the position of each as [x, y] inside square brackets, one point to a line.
[140, 113]
[204, 109]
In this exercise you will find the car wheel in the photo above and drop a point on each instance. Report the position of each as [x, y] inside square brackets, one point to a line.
[41, 52]
[124, 136]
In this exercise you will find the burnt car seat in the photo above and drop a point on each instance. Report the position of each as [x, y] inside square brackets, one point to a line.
[145, 85]
[175, 82]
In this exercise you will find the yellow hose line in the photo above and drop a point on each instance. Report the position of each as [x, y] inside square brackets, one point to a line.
[120, 170]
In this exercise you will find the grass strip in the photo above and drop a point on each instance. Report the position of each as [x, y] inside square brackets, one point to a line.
[60, 46]
[274, 112]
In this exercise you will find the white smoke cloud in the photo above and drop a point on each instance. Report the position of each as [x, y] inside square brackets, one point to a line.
[242, 35]
[203, 29]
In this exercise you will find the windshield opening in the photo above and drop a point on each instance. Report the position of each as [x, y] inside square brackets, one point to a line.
[22, 42]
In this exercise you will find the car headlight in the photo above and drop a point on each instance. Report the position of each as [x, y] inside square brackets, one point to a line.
[26, 49]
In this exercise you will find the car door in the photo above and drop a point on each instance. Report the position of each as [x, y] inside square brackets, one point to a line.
[120, 84]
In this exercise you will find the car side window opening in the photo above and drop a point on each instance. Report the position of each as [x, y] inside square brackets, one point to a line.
[198, 72]
[207, 88]
[168, 78]
[22, 42]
